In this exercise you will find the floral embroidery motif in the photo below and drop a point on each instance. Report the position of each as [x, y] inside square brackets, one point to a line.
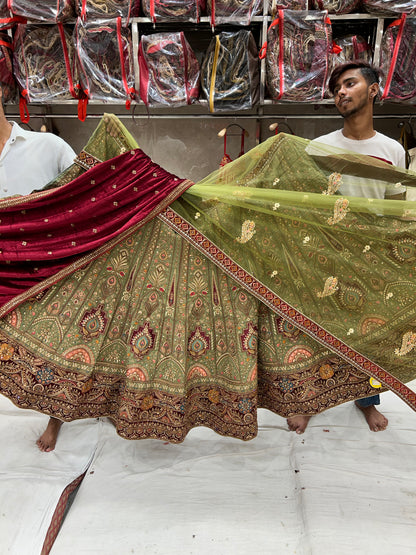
[287, 329]
[214, 396]
[45, 375]
[245, 406]
[286, 385]
[247, 231]
[326, 372]
[405, 250]
[334, 183]
[276, 205]
[340, 211]
[6, 351]
[136, 374]
[142, 340]
[249, 339]
[331, 285]
[408, 343]
[198, 343]
[93, 322]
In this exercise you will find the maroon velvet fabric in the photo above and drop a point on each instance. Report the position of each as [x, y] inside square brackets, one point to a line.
[43, 233]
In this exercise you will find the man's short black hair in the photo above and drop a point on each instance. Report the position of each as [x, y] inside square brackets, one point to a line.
[370, 73]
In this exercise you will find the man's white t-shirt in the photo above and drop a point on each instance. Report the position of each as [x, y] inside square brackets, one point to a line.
[30, 160]
[380, 146]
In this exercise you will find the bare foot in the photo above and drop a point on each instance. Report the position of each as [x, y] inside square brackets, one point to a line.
[47, 440]
[298, 423]
[376, 421]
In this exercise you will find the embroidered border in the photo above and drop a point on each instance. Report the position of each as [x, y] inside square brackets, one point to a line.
[259, 290]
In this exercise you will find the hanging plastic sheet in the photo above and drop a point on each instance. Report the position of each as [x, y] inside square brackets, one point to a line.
[169, 70]
[398, 61]
[230, 71]
[173, 10]
[49, 11]
[298, 55]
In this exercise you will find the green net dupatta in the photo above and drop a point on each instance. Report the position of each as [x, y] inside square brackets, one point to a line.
[284, 222]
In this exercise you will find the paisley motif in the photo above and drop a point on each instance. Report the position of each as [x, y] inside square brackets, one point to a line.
[247, 231]
[370, 324]
[408, 344]
[331, 285]
[351, 296]
[287, 329]
[93, 322]
[298, 354]
[249, 339]
[142, 340]
[404, 250]
[198, 343]
[340, 211]
[334, 183]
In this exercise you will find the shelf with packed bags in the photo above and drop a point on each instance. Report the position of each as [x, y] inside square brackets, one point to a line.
[220, 46]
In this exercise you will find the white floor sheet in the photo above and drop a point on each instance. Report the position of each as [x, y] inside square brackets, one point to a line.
[338, 489]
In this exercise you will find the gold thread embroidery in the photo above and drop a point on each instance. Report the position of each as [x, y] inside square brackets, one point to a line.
[408, 343]
[247, 231]
[340, 211]
[334, 183]
[331, 285]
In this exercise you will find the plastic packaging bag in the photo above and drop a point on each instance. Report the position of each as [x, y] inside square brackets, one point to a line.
[238, 11]
[230, 72]
[107, 9]
[169, 70]
[49, 11]
[389, 7]
[42, 62]
[398, 61]
[336, 6]
[353, 47]
[173, 10]
[105, 61]
[298, 55]
[7, 80]
[275, 5]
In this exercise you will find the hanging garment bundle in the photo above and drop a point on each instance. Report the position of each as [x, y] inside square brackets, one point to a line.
[275, 5]
[105, 61]
[42, 64]
[239, 11]
[353, 47]
[107, 9]
[173, 10]
[8, 83]
[169, 70]
[336, 6]
[389, 7]
[48, 11]
[298, 55]
[398, 61]
[230, 72]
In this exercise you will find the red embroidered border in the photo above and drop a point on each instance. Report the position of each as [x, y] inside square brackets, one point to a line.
[250, 283]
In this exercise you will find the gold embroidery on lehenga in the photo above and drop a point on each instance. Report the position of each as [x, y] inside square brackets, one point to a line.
[334, 183]
[408, 343]
[247, 231]
[340, 211]
[331, 285]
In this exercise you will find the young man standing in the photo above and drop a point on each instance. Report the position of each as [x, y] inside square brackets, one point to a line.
[355, 86]
[28, 161]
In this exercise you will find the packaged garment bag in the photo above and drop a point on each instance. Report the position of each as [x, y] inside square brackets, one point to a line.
[336, 6]
[230, 72]
[47, 11]
[7, 80]
[105, 61]
[107, 9]
[390, 8]
[169, 70]
[236, 11]
[43, 65]
[398, 61]
[298, 54]
[173, 10]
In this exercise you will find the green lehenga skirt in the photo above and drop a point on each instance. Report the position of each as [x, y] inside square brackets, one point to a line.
[180, 324]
